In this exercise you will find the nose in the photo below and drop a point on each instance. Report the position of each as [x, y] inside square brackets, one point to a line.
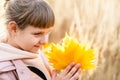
[44, 39]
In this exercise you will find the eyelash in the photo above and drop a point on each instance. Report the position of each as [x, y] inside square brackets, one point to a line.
[38, 33]
[41, 34]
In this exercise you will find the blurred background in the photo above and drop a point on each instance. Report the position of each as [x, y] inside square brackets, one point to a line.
[95, 22]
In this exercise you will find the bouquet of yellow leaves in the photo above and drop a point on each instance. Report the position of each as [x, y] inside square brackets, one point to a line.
[69, 51]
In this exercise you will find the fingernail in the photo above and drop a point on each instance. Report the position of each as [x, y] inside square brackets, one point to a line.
[73, 63]
[78, 64]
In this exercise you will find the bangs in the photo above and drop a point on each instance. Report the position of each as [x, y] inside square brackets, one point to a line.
[38, 14]
[41, 16]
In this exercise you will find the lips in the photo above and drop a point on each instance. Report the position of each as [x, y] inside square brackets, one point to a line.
[37, 45]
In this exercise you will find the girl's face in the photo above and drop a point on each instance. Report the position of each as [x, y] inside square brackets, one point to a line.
[30, 39]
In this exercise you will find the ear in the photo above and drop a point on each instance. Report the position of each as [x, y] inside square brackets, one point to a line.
[12, 27]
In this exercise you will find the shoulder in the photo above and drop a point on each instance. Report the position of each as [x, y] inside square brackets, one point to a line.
[6, 66]
[7, 71]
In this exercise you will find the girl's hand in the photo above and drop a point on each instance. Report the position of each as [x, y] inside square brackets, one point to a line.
[71, 72]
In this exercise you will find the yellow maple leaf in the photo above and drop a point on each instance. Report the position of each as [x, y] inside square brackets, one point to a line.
[69, 51]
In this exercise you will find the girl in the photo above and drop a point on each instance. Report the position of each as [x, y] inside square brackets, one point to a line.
[29, 23]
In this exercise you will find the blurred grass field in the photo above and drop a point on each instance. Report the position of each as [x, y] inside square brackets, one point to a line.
[95, 22]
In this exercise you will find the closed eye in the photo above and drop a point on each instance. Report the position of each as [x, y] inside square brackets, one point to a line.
[39, 33]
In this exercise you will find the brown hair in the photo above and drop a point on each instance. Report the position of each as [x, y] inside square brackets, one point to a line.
[30, 12]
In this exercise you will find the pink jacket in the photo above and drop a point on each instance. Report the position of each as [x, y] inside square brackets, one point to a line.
[14, 62]
[16, 70]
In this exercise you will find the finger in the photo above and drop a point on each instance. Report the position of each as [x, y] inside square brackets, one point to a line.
[74, 70]
[68, 68]
[79, 78]
[54, 74]
[76, 76]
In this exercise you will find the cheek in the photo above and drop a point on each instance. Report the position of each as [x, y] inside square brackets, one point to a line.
[25, 41]
[31, 40]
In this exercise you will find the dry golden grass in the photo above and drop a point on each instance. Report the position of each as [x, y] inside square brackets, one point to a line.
[96, 22]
